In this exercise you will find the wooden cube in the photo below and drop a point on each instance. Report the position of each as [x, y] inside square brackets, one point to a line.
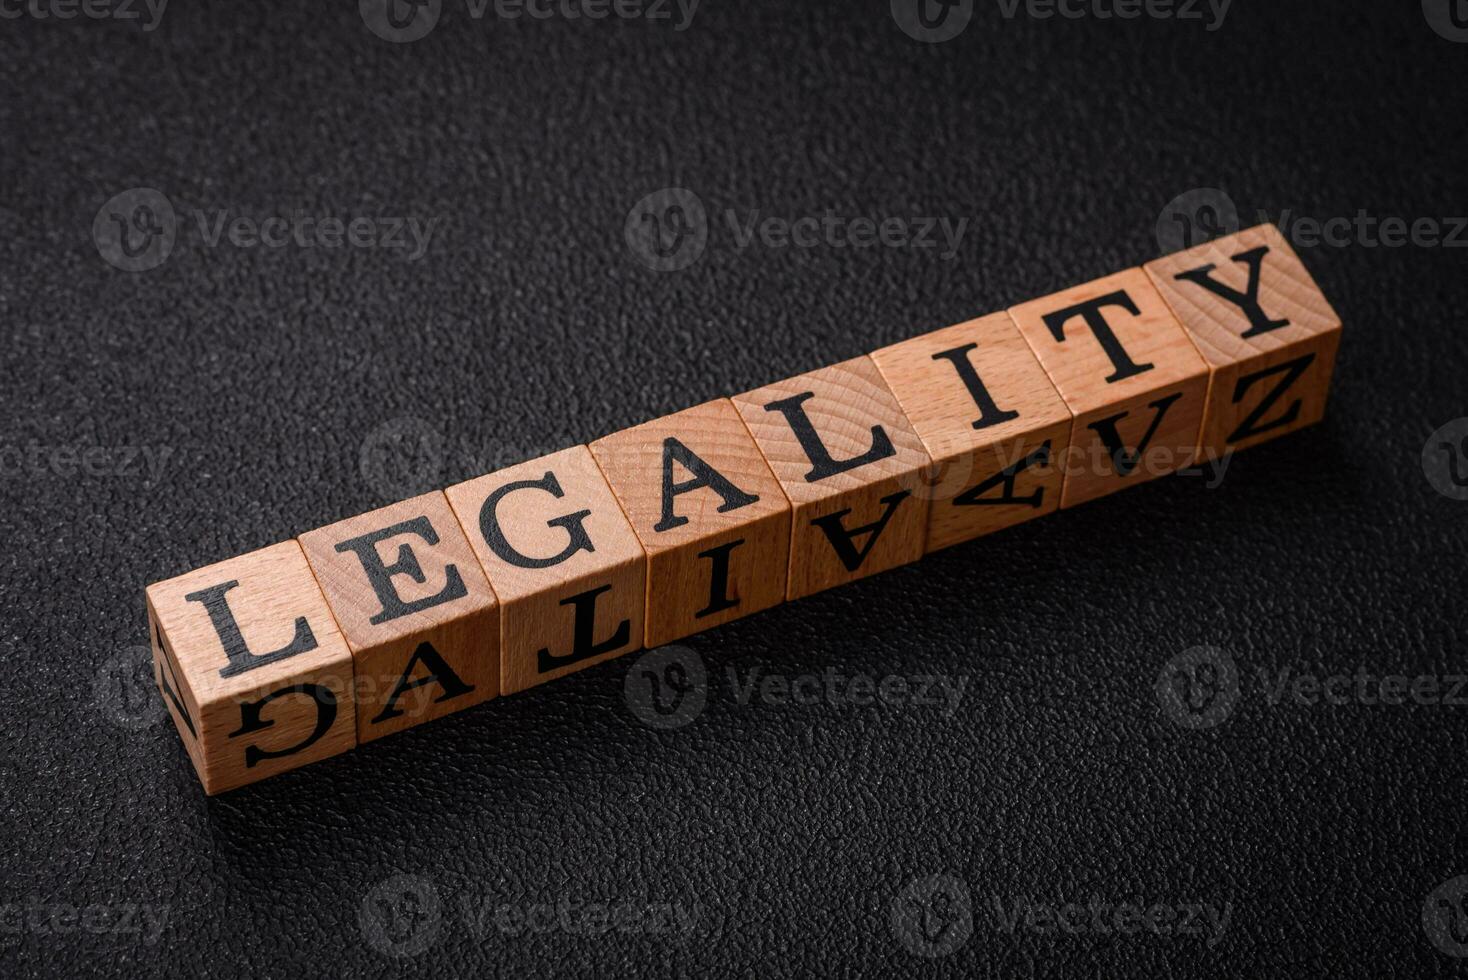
[1267, 332]
[709, 513]
[563, 561]
[415, 609]
[851, 465]
[989, 417]
[1129, 374]
[252, 666]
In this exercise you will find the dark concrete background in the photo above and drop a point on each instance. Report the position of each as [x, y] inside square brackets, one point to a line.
[279, 389]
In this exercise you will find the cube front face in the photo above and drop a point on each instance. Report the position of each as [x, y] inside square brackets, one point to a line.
[415, 609]
[1267, 332]
[709, 513]
[1130, 375]
[852, 467]
[565, 564]
[990, 419]
[252, 667]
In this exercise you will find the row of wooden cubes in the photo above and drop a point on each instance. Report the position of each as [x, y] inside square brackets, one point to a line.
[302, 650]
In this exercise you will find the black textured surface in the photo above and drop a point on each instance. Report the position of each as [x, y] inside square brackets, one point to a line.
[788, 830]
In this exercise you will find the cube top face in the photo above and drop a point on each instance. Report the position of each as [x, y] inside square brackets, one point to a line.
[370, 566]
[537, 525]
[803, 423]
[708, 445]
[1243, 295]
[971, 385]
[1108, 340]
[262, 600]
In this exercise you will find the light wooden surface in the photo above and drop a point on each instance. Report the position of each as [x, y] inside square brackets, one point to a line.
[590, 573]
[717, 540]
[216, 716]
[400, 683]
[1267, 332]
[858, 519]
[1142, 400]
[991, 420]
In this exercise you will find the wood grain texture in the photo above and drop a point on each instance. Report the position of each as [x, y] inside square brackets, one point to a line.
[984, 407]
[231, 736]
[567, 568]
[437, 594]
[1279, 367]
[872, 478]
[1130, 375]
[716, 551]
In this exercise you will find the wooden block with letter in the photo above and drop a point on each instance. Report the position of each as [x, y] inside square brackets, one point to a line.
[415, 608]
[849, 461]
[989, 417]
[561, 557]
[1267, 332]
[252, 667]
[1129, 374]
[709, 513]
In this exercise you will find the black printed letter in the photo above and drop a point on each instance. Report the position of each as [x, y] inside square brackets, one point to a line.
[381, 575]
[235, 647]
[1090, 311]
[821, 463]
